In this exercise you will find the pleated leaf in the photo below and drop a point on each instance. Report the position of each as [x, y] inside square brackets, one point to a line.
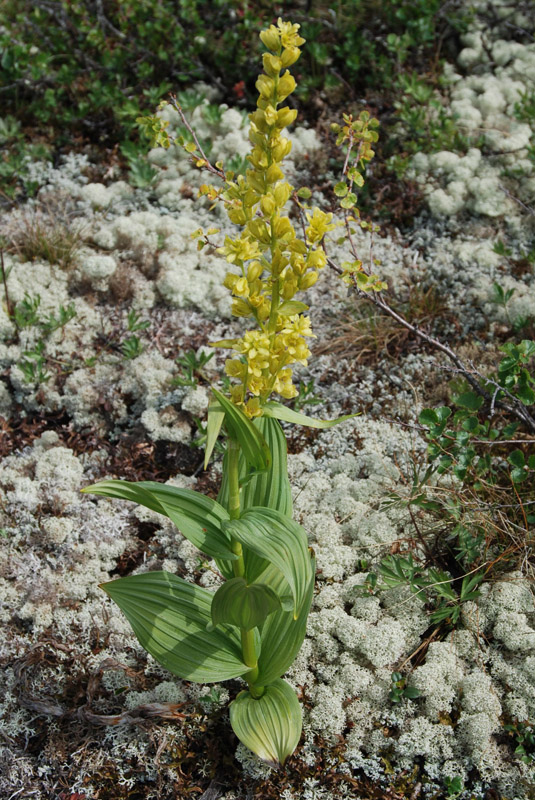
[271, 725]
[277, 410]
[169, 617]
[199, 518]
[213, 427]
[282, 635]
[279, 540]
[241, 429]
[270, 489]
[237, 603]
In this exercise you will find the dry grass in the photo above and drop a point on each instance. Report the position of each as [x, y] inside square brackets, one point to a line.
[366, 334]
[45, 231]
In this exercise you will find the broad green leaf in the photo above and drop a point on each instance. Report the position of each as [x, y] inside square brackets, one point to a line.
[277, 410]
[270, 489]
[428, 417]
[271, 725]
[199, 518]
[213, 426]
[469, 400]
[282, 635]
[243, 605]
[281, 541]
[241, 429]
[169, 617]
[516, 458]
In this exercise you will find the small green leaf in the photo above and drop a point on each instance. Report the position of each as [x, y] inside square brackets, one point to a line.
[170, 617]
[271, 725]
[428, 417]
[411, 692]
[304, 193]
[246, 606]
[241, 429]
[349, 200]
[341, 189]
[277, 410]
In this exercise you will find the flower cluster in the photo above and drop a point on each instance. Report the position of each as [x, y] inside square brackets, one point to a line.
[272, 263]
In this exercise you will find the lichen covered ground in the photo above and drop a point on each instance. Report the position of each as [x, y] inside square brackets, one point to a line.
[86, 713]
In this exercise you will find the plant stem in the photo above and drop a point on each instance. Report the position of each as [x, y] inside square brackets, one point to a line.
[247, 637]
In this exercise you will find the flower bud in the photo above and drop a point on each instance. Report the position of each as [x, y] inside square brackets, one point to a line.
[272, 65]
[308, 280]
[286, 86]
[281, 149]
[267, 205]
[271, 115]
[266, 85]
[289, 56]
[240, 308]
[270, 38]
[281, 193]
[254, 271]
[274, 174]
[285, 116]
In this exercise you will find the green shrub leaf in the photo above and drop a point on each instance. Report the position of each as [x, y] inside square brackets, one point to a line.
[271, 725]
[169, 617]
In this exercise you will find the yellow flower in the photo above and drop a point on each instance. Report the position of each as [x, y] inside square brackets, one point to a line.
[319, 225]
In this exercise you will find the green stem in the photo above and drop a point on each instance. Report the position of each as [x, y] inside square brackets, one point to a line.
[247, 637]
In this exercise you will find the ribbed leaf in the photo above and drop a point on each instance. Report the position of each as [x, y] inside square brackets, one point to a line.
[270, 489]
[169, 617]
[281, 541]
[213, 426]
[237, 603]
[277, 410]
[241, 429]
[199, 518]
[271, 725]
[282, 635]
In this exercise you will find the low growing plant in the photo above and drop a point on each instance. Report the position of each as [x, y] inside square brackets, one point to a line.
[253, 625]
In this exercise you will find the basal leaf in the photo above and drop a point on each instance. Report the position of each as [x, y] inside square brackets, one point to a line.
[169, 617]
[271, 725]
[277, 410]
[199, 518]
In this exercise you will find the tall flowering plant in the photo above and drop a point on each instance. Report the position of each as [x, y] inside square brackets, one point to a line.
[253, 626]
